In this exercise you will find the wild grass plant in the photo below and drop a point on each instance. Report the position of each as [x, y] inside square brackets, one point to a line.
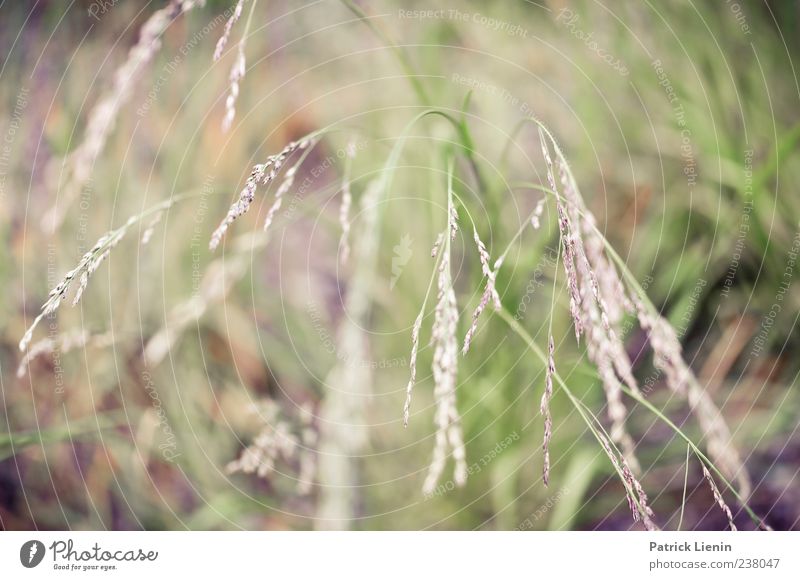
[485, 198]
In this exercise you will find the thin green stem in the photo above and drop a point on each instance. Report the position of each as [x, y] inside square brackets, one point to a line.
[249, 22]
[657, 412]
[685, 485]
[579, 407]
[524, 225]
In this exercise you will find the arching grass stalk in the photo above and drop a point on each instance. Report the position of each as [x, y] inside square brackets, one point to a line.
[547, 394]
[685, 485]
[635, 287]
[92, 259]
[221, 275]
[641, 509]
[400, 54]
[609, 290]
[264, 174]
[239, 66]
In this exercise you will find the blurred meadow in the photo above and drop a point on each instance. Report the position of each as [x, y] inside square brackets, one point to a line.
[679, 120]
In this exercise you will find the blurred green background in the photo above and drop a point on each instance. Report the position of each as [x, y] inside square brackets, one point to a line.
[680, 122]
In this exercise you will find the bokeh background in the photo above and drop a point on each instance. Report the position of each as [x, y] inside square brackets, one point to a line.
[681, 124]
